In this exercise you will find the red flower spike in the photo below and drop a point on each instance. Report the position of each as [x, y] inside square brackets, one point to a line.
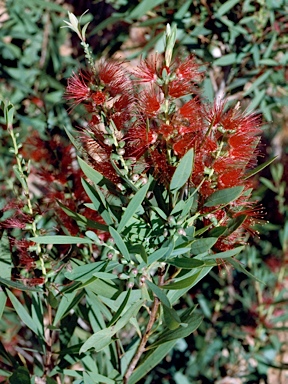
[139, 139]
[147, 70]
[149, 102]
[167, 131]
[188, 70]
[77, 88]
[98, 97]
[180, 88]
[162, 170]
[191, 110]
[114, 78]
[230, 178]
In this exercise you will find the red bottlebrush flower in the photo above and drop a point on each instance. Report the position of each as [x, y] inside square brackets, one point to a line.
[167, 131]
[179, 88]
[33, 281]
[230, 178]
[139, 139]
[149, 102]
[188, 70]
[20, 221]
[187, 75]
[162, 170]
[114, 78]
[98, 97]
[77, 88]
[254, 215]
[242, 149]
[147, 70]
[215, 113]
[191, 110]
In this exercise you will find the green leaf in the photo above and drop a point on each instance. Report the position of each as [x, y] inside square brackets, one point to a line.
[101, 339]
[150, 361]
[22, 312]
[98, 340]
[133, 206]
[84, 272]
[68, 301]
[223, 196]
[82, 220]
[226, 60]
[217, 231]
[183, 171]
[191, 324]
[268, 183]
[120, 243]
[18, 285]
[237, 265]
[185, 263]
[37, 312]
[261, 79]
[76, 144]
[96, 378]
[105, 275]
[226, 254]
[155, 256]
[60, 240]
[5, 256]
[159, 293]
[202, 245]
[97, 200]
[3, 300]
[234, 224]
[183, 282]
[258, 97]
[20, 375]
[171, 318]
[182, 10]
[224, 8]
[120, 309]
[143, 7]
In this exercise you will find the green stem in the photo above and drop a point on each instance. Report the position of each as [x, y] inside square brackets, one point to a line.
[24, 184]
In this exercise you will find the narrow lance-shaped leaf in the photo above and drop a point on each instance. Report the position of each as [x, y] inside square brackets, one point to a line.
[240, 268]
[171, 318]
[22, 312]
[59, 239]
[202, 245]
[120, 309]
[120, 243]
[102, 338]
[192, 323]
[186, 263]
[223, 196]
[183, 171]
[183, 283]
[151, 361]
[133, 206]
[97, 201]
[159, 293]
[259, 168]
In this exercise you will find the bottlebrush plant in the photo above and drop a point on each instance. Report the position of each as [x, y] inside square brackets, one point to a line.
[171, 178]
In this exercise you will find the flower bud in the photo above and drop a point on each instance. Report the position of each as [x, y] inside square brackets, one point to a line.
[135, 177]
[130, 284]
[121, 151]
[181, 231]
